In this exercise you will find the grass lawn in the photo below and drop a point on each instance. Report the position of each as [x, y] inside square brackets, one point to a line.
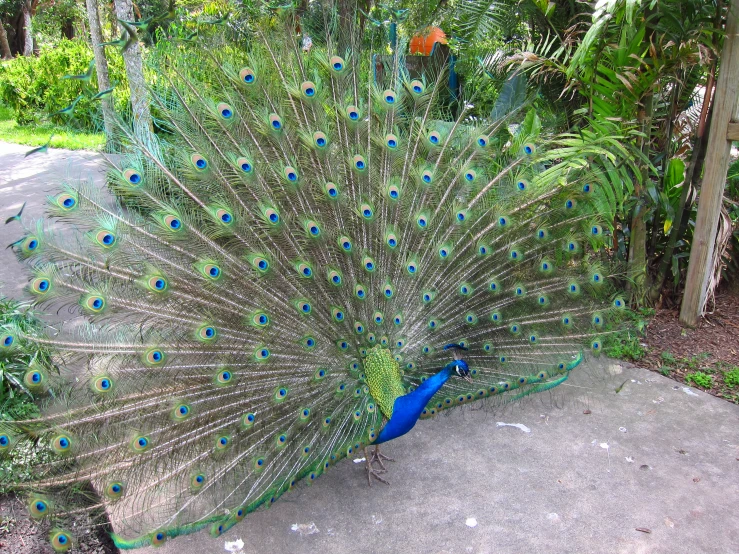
[36, 135]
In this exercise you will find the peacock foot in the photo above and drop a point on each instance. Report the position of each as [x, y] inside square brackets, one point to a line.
[377, 457]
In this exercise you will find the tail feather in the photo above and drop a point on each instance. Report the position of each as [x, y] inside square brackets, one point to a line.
[291, 215]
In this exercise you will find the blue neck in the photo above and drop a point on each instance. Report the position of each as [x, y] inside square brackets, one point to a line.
[407, 408]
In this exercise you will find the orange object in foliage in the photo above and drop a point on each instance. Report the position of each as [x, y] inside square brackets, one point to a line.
[423, 44]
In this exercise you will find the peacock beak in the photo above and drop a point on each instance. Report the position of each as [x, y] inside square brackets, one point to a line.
[467, 378]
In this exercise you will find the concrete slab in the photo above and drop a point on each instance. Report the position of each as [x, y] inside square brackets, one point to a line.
[30, 180]
[655, 456]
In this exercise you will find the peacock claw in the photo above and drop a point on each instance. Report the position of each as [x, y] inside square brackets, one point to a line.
[371, 471]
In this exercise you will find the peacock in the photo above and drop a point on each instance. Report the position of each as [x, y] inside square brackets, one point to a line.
[306, 258]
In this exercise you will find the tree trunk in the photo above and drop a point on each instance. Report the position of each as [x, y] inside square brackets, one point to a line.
[135, 73]
[68, 29]
[101, 65]
[4, 45]
[637, 262]
[27, 28]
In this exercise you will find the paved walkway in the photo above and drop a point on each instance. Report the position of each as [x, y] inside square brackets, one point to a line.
[651, 469]
[30, 180]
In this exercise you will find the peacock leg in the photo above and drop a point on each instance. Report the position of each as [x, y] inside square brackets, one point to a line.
[378, 457]
[372, 472]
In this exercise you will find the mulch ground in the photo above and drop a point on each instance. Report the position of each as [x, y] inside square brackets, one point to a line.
[713, 347]
[19, 534]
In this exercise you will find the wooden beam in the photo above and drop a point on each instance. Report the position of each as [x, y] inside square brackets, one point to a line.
[725, 109]
[733, 132]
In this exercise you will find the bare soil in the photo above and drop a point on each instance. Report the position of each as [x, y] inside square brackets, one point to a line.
[19, 534]
[711, 348]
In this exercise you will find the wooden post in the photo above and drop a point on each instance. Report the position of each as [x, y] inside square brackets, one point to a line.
[725, 109]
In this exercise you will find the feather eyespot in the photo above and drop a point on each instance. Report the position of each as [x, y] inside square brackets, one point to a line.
[290, 173]
[312, 228]
[6, 341]
[66, 201]
[337, 314]
[181, 412]
[391, 240]
[427, 176]
[223, 442]
[260, 319]
[224, 377]
[95, 304]
[244, 164]
[368, 264]
[528, 148]
[358, 328]
[470, 175]
[157, 283]
[389, 97]
[158, 538]
[391, 141]
[275, 122]
[334, 277]
[225, 111]
[132, 176]
[360, 292]
[197, 481]
[212, 272]
[62, 444]
[482, 141]
[417, 87]
[434, 138]
[272, 216]
[366, 211]
[247, 75]
[352, 112]
[304, 307]
[331, 190]
[359, 163]
[140, 444]
[173, 223]
[320, 139]
[224, 216]
[522, 184]
[378, 317]
[461, 216]
[248, 420]
[154, 357]
[337, 63]
[262, 354]
[38, 508]
[103, 384]
[304, 270]
[422, 221]
[393, 192]
[308, 88]
[198, 161]
[61, 541]
[40, 286]
[411, 267]
[106, 239]
[115, 490]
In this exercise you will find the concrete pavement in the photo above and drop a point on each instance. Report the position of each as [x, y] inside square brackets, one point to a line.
[656, 456]
[30, 180]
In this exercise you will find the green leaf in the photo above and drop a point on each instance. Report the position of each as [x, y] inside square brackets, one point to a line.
[675, 173]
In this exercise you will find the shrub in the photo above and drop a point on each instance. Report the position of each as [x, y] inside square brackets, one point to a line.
[700, 379]
[731, 378]
[33, 86]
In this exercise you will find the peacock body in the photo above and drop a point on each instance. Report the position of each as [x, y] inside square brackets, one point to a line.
[302, 264]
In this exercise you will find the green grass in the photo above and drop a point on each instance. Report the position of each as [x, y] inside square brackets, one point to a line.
[36, 135]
